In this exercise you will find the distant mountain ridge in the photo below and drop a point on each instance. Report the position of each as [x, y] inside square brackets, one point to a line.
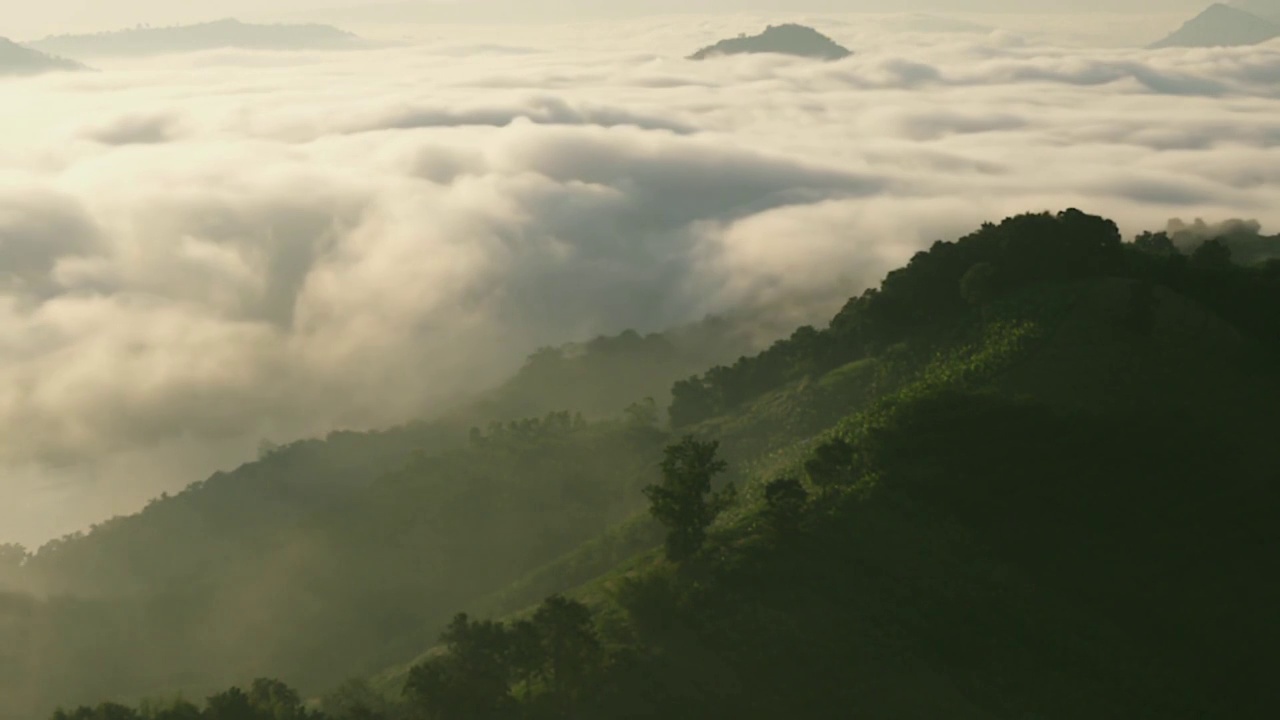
[228, 33]
[18, 60]
[789, 39]
[1222, 26]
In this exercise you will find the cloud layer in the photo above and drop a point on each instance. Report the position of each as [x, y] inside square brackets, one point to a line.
[198, 252]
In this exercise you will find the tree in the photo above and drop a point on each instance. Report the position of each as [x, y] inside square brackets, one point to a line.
[12, 558]
[1212, 254]
[692, 401]
[570, 645]
[682, 501]
[525, 653]
[431, 691]
[831, 464]
[473, 680]
[275, 700]
[355, 700]
[1156, 244]
[231, 704]
[785, 499]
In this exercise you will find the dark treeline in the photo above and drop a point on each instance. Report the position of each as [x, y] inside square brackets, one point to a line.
[940, 286]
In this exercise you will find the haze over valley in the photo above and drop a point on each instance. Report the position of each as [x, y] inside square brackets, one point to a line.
[322, 260]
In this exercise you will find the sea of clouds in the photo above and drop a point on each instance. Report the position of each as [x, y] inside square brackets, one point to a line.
[198, 252]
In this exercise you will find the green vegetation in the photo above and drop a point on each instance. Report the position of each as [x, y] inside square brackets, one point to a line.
[1030, 476]
[681, 501]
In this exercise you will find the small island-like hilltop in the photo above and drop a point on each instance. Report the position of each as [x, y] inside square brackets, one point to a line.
[787, 39]
[16, 59]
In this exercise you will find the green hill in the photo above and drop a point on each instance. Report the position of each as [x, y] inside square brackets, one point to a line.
[195, 575]
[1031, 475]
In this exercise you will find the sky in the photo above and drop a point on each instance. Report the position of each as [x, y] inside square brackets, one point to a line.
[199, 252]
[31, 20]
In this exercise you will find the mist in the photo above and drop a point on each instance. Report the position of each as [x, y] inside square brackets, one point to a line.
[205, 250]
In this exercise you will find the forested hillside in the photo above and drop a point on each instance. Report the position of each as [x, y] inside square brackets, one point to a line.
[1030, 475]
[227, 575]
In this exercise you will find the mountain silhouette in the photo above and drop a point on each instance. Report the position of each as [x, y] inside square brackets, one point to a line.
[787, 39]
[1221, 26]
[228, 33]
[18, 60]
[1265, 9]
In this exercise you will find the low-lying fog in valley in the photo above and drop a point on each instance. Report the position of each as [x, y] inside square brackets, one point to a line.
[201, 251]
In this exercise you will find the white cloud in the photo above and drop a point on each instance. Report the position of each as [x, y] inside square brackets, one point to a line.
[196, 252]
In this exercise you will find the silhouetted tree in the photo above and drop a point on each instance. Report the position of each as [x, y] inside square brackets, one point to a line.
[12, 555]
[432, 692]
[12, 558]
[570, 644]
[682, 501]
[1212, 254]
[785, 500]
[274, 700]
[231, 704]
[692, 401]
[473, 680]
[1155, 244]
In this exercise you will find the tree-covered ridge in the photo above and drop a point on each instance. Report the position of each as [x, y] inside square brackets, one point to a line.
[943, 284]
[377, 570]
[264, 535]
[1050, 498]
[941, 575]
[220, 521]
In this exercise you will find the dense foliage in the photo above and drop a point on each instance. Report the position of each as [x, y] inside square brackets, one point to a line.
[683, 502]
[940, 286]
[377, 571]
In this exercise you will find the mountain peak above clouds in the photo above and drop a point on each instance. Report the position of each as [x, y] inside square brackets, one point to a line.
[789, 39]
[1221, 25]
